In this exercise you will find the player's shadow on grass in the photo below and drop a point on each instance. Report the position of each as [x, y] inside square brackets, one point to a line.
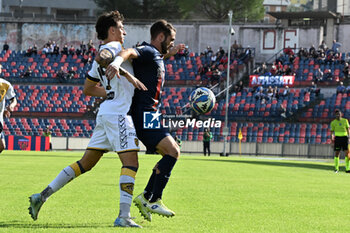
[274, 163]
[18, 224]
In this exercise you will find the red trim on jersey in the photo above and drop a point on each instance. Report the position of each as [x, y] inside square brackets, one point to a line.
[156, 97]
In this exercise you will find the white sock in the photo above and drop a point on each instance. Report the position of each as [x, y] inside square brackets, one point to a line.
[126, 187]
[66, 175]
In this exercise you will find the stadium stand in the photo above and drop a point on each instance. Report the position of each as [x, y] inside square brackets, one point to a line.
[63, 107]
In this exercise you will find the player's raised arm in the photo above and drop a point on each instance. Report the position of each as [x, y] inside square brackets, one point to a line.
[174, 50]
[92, 88]
[113, 68]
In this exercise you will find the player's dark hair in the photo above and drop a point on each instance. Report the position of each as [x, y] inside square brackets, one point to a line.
[105, 21]
[161, 26]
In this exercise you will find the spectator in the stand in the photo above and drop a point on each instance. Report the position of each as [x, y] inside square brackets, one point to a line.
[287, 70]
[337, 58]
[90, 45]
[29, 51]
[269, 93]
[61, 75]
[314, 89]
[323, 46]
[71, 73]
[48, 43]
[327, 75]
[221, 51]
[224, 59]
[346, 70]
[213, 59]
[321, 59]
[330, 57]
[264, 69]
[341, 88]
[27, 73]
[65, 50]
[208, 51]
[288, 51]
[260, 95]
[348, 90]
[71, 50]
[276, 94]
[52, 47]
[347, 58]
[318, 75]
[92, 49]
[335, 46]
[78, 51]
[56, 50]
[280, 70]
[273, 70]
[235, 47]
[259, 88]
[302, 54]
[5, 47]
[35, 49]
[282, 111]
[246, 55]
[257, 70]
[238, 87]
[216, 76]
[82, 47]
[312, 50]
[286, 91]
[45, 50]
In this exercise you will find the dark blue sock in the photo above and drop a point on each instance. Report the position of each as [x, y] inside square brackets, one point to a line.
[149, 187]
[165, 165]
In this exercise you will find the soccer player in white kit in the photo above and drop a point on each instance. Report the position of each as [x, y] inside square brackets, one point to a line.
[6, 93]
[114, 129]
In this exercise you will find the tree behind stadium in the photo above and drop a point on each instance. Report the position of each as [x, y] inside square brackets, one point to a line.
[145, 9]
[243, 10]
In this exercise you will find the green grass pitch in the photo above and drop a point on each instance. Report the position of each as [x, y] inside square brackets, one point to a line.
[208, 194]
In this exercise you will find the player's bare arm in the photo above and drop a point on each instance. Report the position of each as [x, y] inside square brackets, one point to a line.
[10, 108]
[174, 50]
[113, 68]
[92, 89]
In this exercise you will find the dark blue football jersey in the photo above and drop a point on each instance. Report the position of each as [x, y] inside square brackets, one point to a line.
[149, 69]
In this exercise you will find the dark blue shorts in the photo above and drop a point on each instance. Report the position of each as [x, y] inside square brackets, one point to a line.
[149, 137]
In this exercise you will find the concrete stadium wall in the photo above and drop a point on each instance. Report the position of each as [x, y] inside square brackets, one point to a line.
[256, 149]
[266, 39]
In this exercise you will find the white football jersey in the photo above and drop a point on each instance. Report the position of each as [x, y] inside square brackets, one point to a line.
[121, 90]
[6, 92]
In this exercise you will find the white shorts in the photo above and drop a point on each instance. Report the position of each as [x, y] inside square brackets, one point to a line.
[114, 133]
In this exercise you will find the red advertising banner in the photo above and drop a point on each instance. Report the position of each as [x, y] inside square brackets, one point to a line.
[266, 80]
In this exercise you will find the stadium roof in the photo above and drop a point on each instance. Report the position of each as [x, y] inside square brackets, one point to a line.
[305, 14]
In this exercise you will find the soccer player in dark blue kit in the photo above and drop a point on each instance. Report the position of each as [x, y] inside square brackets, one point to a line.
[148, 65]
